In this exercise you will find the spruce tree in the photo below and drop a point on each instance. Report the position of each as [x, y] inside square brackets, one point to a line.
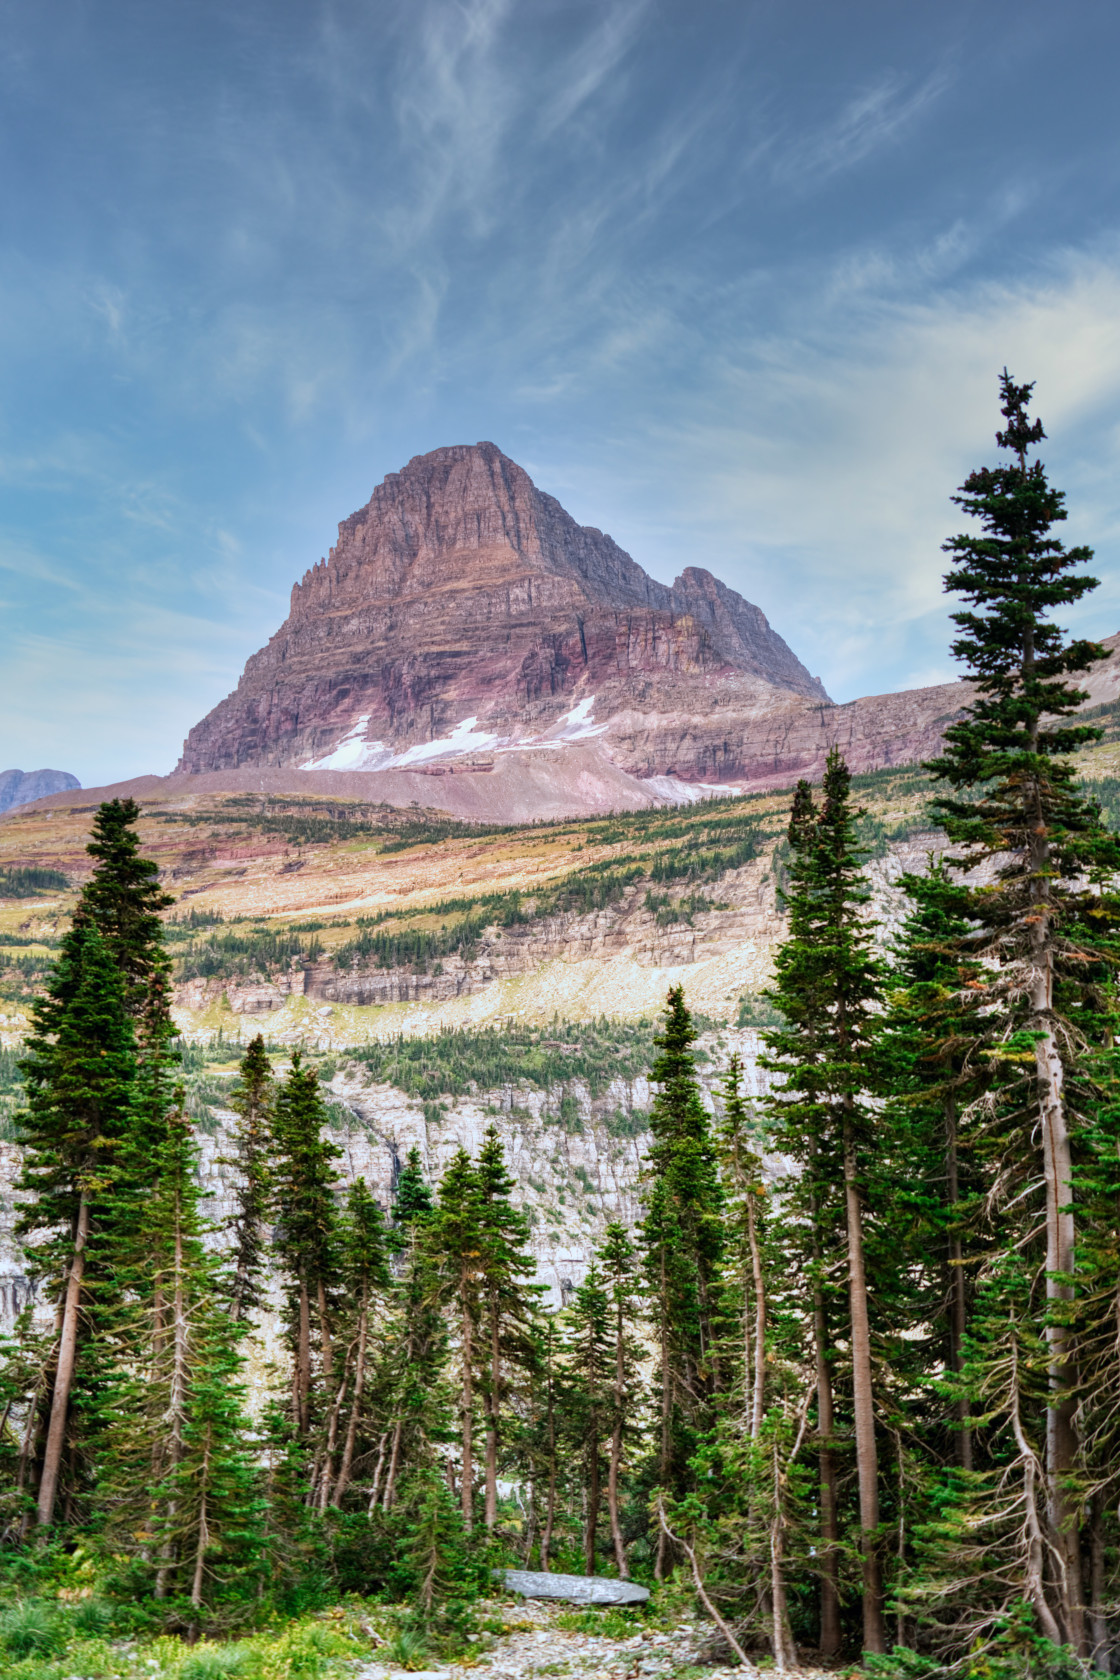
[364, 1272]
[617, 1256]
[252, 1101]
[79, 1073]
[591, 1381]
[507, 1302]
[682, 1242]
[307, 1236]
[123, 899]
[175, 1481]
[1026, 823]
[455, 1245]
[827, 988]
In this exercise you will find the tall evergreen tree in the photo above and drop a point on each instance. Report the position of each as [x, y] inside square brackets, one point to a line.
[682, 1242]
[252, 1101]
[617, 1256]
[507, 1301]
[307, 1235]
[123, 898]
[455, 1244]
[827, 988]
[176, 1483]
[80, 1076]
[590, 1363]
[364, 1272]
[1031, 828]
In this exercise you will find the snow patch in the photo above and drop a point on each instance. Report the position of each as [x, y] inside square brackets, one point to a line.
[578, 725]
[354, 752]
[675, 792]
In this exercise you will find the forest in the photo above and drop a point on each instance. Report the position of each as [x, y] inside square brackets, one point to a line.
[851, 1385]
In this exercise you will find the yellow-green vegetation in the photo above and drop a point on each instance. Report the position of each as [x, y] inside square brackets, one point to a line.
[55, 1639]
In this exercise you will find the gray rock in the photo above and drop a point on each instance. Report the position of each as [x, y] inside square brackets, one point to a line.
[580, 1589]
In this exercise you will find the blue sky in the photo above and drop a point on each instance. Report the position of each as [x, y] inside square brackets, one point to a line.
[734, 281]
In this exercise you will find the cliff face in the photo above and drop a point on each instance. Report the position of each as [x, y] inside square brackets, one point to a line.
[462, 606]
[23, 787]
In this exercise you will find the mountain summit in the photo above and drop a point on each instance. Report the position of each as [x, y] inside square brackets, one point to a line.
[463, 608]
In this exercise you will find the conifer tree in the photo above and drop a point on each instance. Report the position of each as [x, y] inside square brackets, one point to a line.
[456, 1248]
[79, 1073]
[416, 1402]
[124, 899]
[827, 987]
[591, 1382]
[507, 1301]
[682, 1238]
[306, 1242]
[617, 1256]
[252, 1101]
[364, 1276]
[176, 1484]
[1053, 862]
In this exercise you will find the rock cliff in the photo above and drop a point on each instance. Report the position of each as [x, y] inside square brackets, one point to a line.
[464, 610]
[23, 787]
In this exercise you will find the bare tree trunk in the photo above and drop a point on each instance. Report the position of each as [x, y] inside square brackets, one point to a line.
[863, 1406]
[593, 1496]
[550, 1507]
[830, 1527]
[325, 1333]
[698, 1582]
[332, 1441]
[665, 1455]
[616, 1443]
[344, 1469]
[1099, 1654]
[203, 1534]
[759, 1385]
[173, 1418]
[373, 1492]
[466, 1489]
[493, 1403]
[64, 1374]
[1034, 1561]
[785, 1651]
[394, 1461]
[303, 1361]
[958, 1311]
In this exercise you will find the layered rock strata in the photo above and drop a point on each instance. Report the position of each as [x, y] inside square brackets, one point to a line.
[463, 609]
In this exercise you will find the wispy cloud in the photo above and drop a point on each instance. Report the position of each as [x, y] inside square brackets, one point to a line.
[875, 117]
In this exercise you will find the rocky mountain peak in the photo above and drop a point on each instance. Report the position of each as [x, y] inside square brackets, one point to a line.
[464, 605]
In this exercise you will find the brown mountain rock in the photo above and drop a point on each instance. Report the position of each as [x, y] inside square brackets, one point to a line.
[462, 592]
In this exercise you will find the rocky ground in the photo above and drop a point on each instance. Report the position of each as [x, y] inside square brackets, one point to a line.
[550, 1640]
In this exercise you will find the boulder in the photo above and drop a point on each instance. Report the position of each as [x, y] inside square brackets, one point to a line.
[579, 1589]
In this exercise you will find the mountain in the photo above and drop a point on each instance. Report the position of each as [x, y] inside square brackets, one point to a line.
[20, 787]
[464, 611]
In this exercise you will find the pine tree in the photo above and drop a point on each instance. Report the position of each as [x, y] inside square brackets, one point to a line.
[175, 1480]
[682, 1239]
[252, 1101]
[80, 1078]
[415, 1402]
[827, 988]
[1052, 861]
[590, 1359]
[124, 899]
[365, 1287]
[306, 1241]
[455, 1245]
[507, 1301]
[617, 1256]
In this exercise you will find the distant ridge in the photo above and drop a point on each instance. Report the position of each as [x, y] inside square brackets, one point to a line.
[22, 787]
